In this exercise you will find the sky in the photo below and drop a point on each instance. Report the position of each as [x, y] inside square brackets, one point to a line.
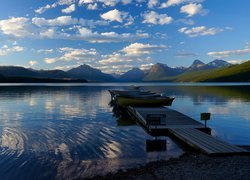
[117, 35]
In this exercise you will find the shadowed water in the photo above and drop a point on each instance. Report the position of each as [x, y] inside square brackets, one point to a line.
[67, 132]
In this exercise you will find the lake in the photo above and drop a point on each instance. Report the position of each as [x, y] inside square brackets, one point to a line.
[67, 131]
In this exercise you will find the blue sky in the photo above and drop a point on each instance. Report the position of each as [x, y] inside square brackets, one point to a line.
[116, 35]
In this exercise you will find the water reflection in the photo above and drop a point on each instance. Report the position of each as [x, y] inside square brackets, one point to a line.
[66, 132]
[71, 132]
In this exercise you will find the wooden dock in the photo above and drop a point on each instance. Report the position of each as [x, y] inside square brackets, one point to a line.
[191, 132]
[182, 127]
[173, 119]
[205, 142]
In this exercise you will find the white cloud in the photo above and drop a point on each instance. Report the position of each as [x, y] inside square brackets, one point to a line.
[153, 17]
[146, 66]
[119, 16]
[115, 58]
[59, 21]
[114, 15]
[5, 49]
[15, 26]
[193, 9]
[169, 3]
[130, 56]
[224, 54]
[54, 5]
[152, 3]
[50, 33]
[117, 69]
[66, 2]
[126, 1]
[67, 20]
[238, 61]
[32, 63]
[92, 6]
[81, 2]
[109, 2]
[45, 8]
[69, 9]
[64, 27]
[45, 51]
[72, 54]
[200, 31]
[138, 49]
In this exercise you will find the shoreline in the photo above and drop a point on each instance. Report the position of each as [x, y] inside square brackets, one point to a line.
[188, 166]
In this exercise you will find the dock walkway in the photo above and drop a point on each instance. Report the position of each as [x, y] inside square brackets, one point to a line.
[182, 127]
[173, 119]
[205, 142]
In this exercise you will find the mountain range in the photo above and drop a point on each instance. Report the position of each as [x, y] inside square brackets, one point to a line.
[217, 70]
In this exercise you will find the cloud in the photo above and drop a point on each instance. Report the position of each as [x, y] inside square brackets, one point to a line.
[95, 37]
[109, 2]
[138, 49]
[193, 9]
[152, 3]
[116, 69]
[45, 8]
[5, 49]
[224, 54]
[115, 15]
[238, 61]
[45, 51]
[67, 20]
[16, 26]
[153, 17]
[133, 55]
[51, 33]
[200, 31]
[41, 28]
[59, 21]
[146, 66]
[170, 3]
[115, 58]
[66, 2]
[82, 2]
[72, 54]
[92, 6]
[42, 9]
[32, 63]
[69, 9]
[126, 1]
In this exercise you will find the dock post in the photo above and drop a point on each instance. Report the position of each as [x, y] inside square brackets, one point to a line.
[205, 117]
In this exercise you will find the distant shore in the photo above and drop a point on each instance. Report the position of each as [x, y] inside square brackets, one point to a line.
[189, 166]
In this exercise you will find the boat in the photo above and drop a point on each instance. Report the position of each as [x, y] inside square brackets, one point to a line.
[144, 101]
[115, 93]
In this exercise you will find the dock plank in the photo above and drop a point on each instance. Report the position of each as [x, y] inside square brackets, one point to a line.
[205, 142]
[174, 119]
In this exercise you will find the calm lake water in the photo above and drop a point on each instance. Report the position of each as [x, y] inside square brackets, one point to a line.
[70, 131]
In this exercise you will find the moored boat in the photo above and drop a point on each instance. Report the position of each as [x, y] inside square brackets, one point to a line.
[142, 101]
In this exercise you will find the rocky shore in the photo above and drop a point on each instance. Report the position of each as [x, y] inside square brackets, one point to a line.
[189, 166]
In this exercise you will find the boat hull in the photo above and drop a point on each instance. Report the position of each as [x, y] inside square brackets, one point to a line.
[151, 102]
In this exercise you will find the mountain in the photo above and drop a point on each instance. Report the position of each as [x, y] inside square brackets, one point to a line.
[197, 65]
[21, 74]
[232, 73]
[162, 71]
[217, 63]
[133, 75]
[59, 74]
[91, 74]
[16, 71]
